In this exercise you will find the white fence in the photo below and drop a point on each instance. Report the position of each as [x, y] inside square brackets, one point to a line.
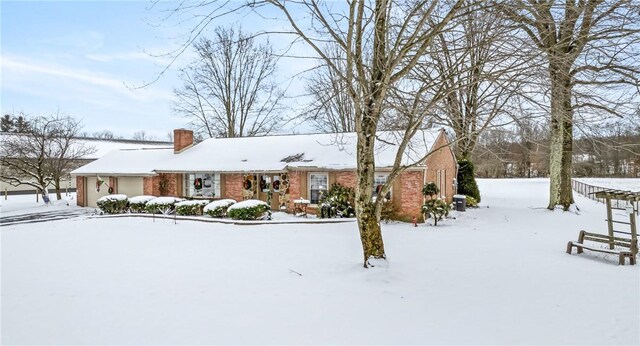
[589, 191]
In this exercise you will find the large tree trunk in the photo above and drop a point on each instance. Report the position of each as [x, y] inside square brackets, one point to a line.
[566, 191]
[368, 220]
[561, 137]
[56, 184]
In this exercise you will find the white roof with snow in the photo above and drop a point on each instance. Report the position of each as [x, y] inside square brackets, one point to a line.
[134, 162]
[275, 153]
[104, 146]
[99, 147]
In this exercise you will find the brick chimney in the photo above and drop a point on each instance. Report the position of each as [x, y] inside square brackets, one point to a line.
[182, 139]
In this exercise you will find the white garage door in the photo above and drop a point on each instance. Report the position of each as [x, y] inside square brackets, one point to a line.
[130, 186]
[92, 195]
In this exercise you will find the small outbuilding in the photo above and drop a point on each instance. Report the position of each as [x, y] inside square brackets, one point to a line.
[278, 169]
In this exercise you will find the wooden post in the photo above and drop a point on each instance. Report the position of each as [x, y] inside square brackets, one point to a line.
[609, 221]
[5, 193]
[632, 221]
[37, 196]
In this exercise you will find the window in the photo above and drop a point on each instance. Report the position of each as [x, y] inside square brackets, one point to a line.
[380, 179]
[441, 181]
[202, 185]
[318, 186]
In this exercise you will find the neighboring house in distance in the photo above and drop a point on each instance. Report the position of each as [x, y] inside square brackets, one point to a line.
[100, 148]
[287, 167]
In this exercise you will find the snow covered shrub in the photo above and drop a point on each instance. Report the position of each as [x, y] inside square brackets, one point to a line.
[193, 207]
[138, 204]
[471, 202]
[434, 207]
[251, 209]
[162, 205]
[437, 209]
[466, 180]
[218, 208]
[113, 204]
[338, 202]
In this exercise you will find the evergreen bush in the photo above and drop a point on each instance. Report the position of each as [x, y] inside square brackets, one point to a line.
[251, 209]
[434, 207]
[138, 204]
[162, 205]
[471, 202]
[466, 180]
[437, 209]
[113, 204]
[193, 207]
[338, 202]
[218, 208]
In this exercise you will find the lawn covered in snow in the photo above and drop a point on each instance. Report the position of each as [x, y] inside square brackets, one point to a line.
[494, 275]
[628, 184]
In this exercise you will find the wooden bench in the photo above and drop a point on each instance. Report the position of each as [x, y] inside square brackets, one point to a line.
[631, 244]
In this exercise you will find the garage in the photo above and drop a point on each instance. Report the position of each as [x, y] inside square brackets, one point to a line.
[130, 186]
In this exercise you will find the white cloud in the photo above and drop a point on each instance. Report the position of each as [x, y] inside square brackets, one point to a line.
[28, 72]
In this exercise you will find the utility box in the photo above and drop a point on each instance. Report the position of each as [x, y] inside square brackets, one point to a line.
[460, 202]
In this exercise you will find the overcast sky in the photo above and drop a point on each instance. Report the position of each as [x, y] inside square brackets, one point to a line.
[87, 58]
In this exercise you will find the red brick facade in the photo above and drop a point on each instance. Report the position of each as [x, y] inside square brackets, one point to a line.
[442, 160]
[80, 192]
[346, 178]
[296, 188]
[408, 201]
[150, 186]
[164, 184]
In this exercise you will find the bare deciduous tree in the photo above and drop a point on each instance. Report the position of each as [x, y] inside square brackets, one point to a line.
[229, 90]
[381, 41]
[331, 109]
[66, 151]
[591, 48]
[42, 155]
[478, 59]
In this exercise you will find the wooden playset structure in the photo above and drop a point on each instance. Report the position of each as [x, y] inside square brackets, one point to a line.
[625, 246]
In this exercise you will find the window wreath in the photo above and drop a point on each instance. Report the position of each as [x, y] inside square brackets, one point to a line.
[110, 190]
[247, 184]
[197, 183]
[276, 185]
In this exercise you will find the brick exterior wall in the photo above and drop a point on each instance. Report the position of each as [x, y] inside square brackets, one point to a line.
[150, 186]
[80, 192]
[233, 186]
[409, 200]
[182, 139]
[346, 178]
[443, 159]
[295, 186]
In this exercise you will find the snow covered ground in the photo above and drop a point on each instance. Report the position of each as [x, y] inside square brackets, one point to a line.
[494, 275]
[629, 184]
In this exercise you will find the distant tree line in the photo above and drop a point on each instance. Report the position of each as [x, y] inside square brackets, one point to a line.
[611, 151]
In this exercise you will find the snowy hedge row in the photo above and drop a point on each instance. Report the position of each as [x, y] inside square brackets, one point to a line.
[251, 209]
[218, 208]
[138, 204]
[245, 210]
[193, 207]
[162, 205]
[113, 204]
